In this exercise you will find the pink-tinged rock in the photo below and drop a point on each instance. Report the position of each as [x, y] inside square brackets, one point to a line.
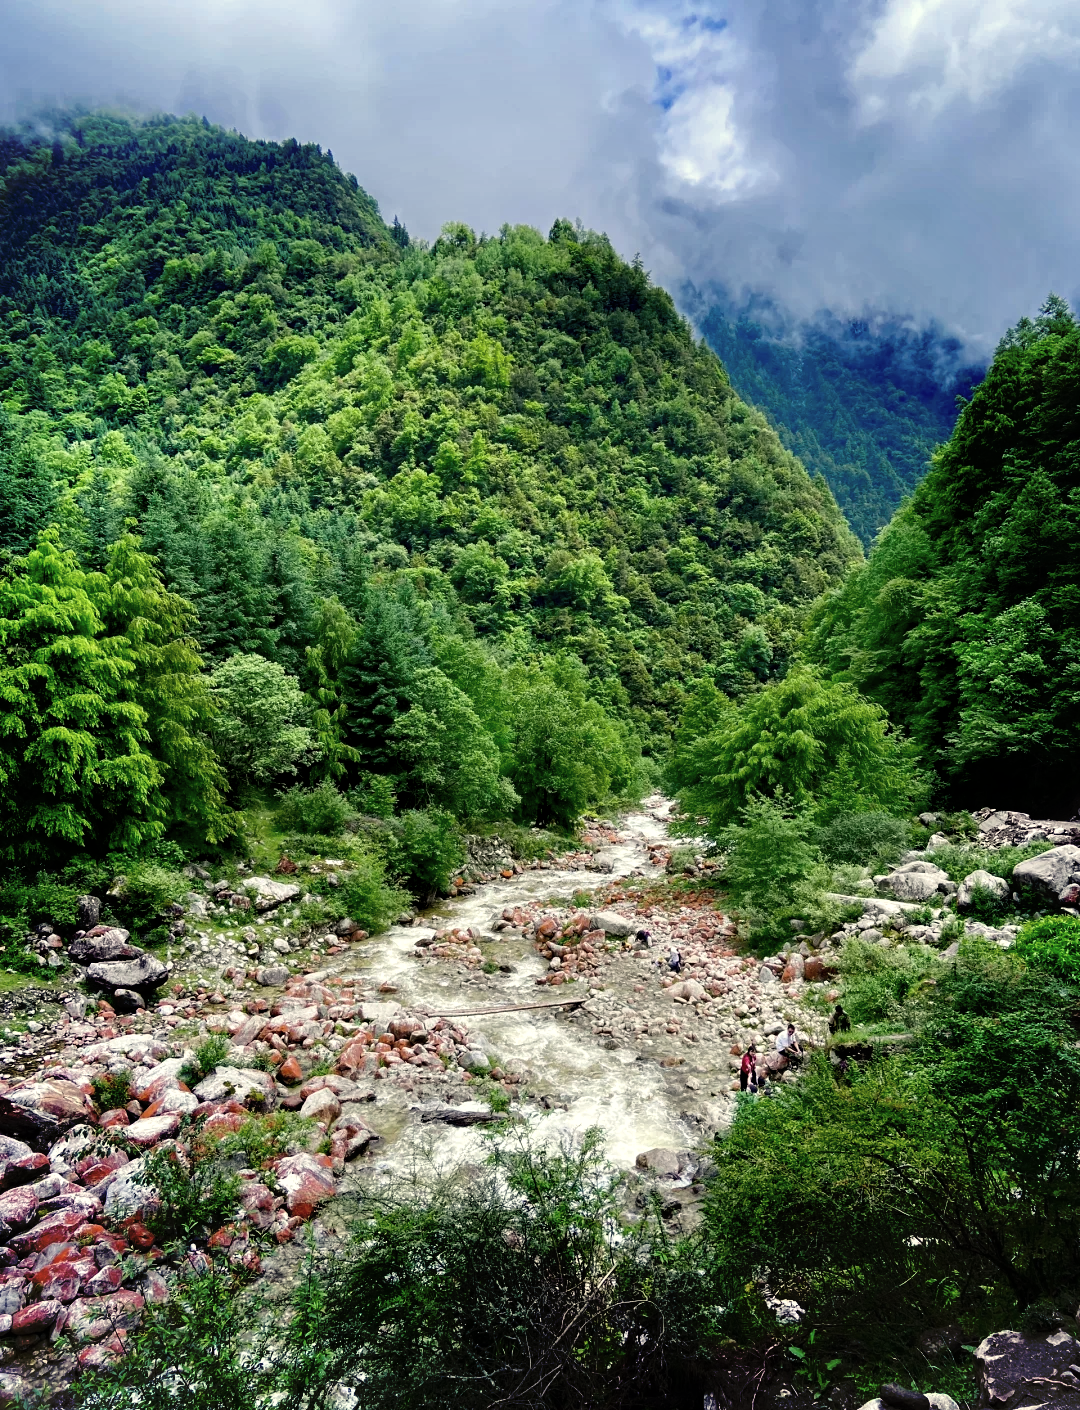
[321, 1107]
[150, 1130]
[307, 1180]
[17, 1209]
[104, 1281]
[350, 1140]
[90, 1319]
[106, 1353]
[155, 1287]
[36, 1320]
[258, 1203]
[40, 1112]
[59, 1282]
[94, 1170]
[56, 1229]
[249, 1030]
[117, 1117]
[23, 1170]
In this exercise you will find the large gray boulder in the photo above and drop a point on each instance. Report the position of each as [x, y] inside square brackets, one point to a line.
[1048, 878]
[141, 973]
[1013, 1370]
[980, 880]
[242, 1084]
[102, 944]
[611, 923]
[268, 893]
[916, 881]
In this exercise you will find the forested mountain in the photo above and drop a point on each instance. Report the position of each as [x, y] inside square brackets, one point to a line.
[965, 622]
[486, 503]
[863, 404]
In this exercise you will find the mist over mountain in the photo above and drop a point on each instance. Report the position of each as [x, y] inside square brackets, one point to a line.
[862, 402]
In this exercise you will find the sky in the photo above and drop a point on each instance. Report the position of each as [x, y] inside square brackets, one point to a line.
[913, 157]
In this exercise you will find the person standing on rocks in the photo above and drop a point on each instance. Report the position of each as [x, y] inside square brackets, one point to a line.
[674, 961]
[748, 1070]
[840, 1022]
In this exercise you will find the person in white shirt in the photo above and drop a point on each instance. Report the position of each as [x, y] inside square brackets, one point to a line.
[787, 1045]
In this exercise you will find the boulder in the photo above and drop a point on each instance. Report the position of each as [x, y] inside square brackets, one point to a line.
[40, 1112]
[127, 1001]
[102, 944]
[917, 881]
[937, 1402]
[658, 1161]
[980, 881]
[242, 1084]
[152, 1129]
[308, 1180]
[1012, 1370]
[1047, 877]
[611, 923]
[87, 912]
[130, 1194]
[141, 973]
[322, 1107]
[17, 1210]
[688, 989]
[272, 976]
[269, 894]
[379, 1013]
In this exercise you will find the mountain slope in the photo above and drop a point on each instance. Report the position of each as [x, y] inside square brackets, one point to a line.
[863, 405]
[510, 443]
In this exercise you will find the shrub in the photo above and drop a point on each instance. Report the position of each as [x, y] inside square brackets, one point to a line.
[958, 861]
[144, 893]
[864, 839]
[198, 1192]
[771, 863]
[1052, 944]
[208, 1055]
[112, 1089]
[321, 810]
[428, 849]
[879, 984]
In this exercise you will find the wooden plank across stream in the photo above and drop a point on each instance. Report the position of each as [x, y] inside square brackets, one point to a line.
[507, 1008]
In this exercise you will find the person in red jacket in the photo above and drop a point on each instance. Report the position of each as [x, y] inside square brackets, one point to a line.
[748, 1070]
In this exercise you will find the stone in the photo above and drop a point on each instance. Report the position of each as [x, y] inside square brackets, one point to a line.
[129, 1194]
[903, 1398]
[813, 969]
[307, 1180]
[765, 975]
[247, 1085]
[658, 1161]
[269, 894]
[40, 1112]
[24, 1170]
[102, 944]
[128, 1001]
[980, 881]
[87, 912]
[249, 1030]
[917, 881]
[1045, 878]
[935, 1399]
[17, 1209]
[55, 1229]
[36, 1320]
[1011, 1369]
[611, 923]
[143, 972]
[272, 976]
[379, 1014]
[688, 989]
[290, 1072]
[152, 1129]
[322, 1107]
[794, 969]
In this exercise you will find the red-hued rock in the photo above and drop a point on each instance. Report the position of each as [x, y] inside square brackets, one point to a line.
[137, 1234]
[59, 1282]
[98, 1170]
[105, 1353]
[104, 1281]
[91, 1319]
[40, 1112]
[22, 1170]
[290, 1072]
[35, 1320]
[17, 1209]
[307, 1180]
[257, 1202]
[56, 1229]
[223, 1121]
[813, 969]
[117, 1117]
[150, 1130]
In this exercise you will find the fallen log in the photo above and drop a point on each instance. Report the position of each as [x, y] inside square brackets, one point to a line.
[454, 1116]
[504, 1008]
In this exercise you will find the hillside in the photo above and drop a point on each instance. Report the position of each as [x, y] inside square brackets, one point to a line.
[502, 462]
[864, 405]
[964, 623]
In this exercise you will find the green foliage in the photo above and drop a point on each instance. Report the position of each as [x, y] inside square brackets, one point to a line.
[866, 839]
[209, 1054]
[427, 849]
[259, 728]
[771, 863]
[958, 861]
[880, 986]
[198, 1193]
[112, 1090]
[366, 895]
[144, 893]
[818, 742]
[963, 624]
[321, 809]
[1053, 944]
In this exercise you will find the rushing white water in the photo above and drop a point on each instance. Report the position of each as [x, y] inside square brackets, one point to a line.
[637, 1103]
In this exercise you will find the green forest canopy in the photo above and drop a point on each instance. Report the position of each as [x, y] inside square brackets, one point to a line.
[494, 485]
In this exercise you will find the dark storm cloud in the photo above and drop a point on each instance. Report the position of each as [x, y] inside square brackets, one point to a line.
[916, 155]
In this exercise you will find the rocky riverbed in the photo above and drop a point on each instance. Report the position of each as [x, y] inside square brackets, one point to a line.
[543, 992]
